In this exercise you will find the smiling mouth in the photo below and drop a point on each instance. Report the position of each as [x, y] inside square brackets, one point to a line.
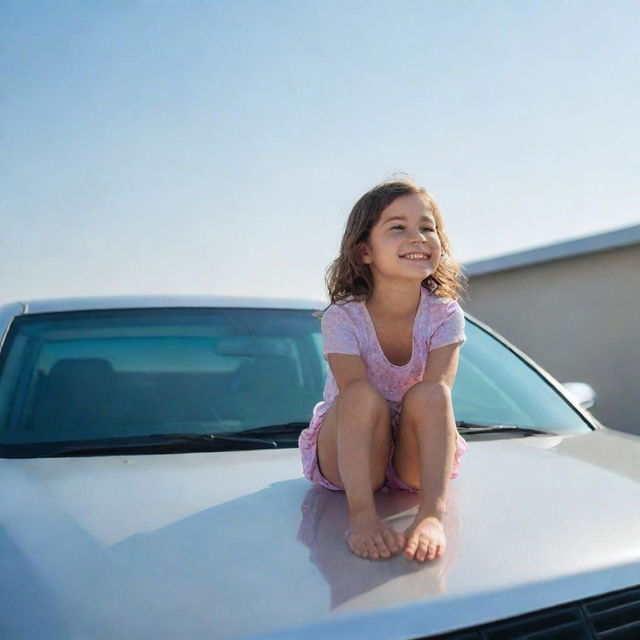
[416, 258]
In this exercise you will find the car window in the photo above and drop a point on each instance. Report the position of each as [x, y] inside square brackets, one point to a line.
[103, 374]
[495, 386]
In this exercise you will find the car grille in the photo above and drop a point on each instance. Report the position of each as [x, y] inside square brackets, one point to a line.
[614, 616]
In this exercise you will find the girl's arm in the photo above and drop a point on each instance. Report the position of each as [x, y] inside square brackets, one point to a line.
[346, 368]
[442, 364]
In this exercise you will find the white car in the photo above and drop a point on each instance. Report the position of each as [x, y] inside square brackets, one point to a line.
[151, 487]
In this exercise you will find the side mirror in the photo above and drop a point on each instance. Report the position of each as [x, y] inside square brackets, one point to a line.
[582, 393]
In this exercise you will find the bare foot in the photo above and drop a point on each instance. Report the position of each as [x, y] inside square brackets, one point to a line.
[370, 537]
[425, 539]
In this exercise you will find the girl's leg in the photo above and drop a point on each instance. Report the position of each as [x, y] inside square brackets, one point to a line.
[353, 451]
[423, 458]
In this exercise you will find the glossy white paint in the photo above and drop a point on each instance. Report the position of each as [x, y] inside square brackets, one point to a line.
[582, 393]
[239, 544]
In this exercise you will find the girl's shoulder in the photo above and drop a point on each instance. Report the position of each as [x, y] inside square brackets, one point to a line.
[346, 312]
[433, 298]
[441, 308]
[343, 329]
[347, 305]
[440, 301]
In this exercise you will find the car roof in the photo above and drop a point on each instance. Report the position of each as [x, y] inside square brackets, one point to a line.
[49, 305]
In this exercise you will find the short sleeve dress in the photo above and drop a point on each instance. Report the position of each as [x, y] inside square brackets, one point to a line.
[348, 328]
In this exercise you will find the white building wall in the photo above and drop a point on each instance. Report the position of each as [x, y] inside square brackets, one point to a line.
[578, 317]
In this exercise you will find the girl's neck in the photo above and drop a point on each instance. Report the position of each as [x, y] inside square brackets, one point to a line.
[394, 301]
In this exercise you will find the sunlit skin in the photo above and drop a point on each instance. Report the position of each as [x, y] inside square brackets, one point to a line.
[426, 431]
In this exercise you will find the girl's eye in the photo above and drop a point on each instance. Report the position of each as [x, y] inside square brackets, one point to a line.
[399, 226]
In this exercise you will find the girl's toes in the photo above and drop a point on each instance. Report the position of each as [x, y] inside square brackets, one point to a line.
[410, 549]
[421, 553]
[383, 550]
[372, 549]
[358, 549]
[431, 552]
[390, 541]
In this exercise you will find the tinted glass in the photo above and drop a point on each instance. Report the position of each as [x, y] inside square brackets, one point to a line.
[101, 374]
[494, 386]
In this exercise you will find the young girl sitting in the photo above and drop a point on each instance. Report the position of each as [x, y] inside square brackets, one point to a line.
[392, 337]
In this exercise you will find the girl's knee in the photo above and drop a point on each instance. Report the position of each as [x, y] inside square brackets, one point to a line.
[427, 391]
[362, 391]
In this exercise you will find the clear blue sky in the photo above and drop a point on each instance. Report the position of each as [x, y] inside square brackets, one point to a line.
[217, 147]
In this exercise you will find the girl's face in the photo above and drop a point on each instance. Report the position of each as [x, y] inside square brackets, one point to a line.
[406, 226]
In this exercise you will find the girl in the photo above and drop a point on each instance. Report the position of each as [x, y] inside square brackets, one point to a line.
[392, 336]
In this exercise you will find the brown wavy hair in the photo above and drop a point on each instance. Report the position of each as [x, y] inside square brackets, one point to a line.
[347, 276]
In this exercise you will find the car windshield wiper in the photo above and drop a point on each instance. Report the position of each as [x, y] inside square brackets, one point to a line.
[470, 427]
[155, 443]
[474, 427]
[284, 428]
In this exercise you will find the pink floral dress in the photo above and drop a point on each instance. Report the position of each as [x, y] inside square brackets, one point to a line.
[347, 328]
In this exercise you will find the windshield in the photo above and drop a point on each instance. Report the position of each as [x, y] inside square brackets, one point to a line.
[113, 374]
[495, 386]
[100, 376]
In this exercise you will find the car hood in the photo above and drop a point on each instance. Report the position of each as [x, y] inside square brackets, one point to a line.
[240, 544]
